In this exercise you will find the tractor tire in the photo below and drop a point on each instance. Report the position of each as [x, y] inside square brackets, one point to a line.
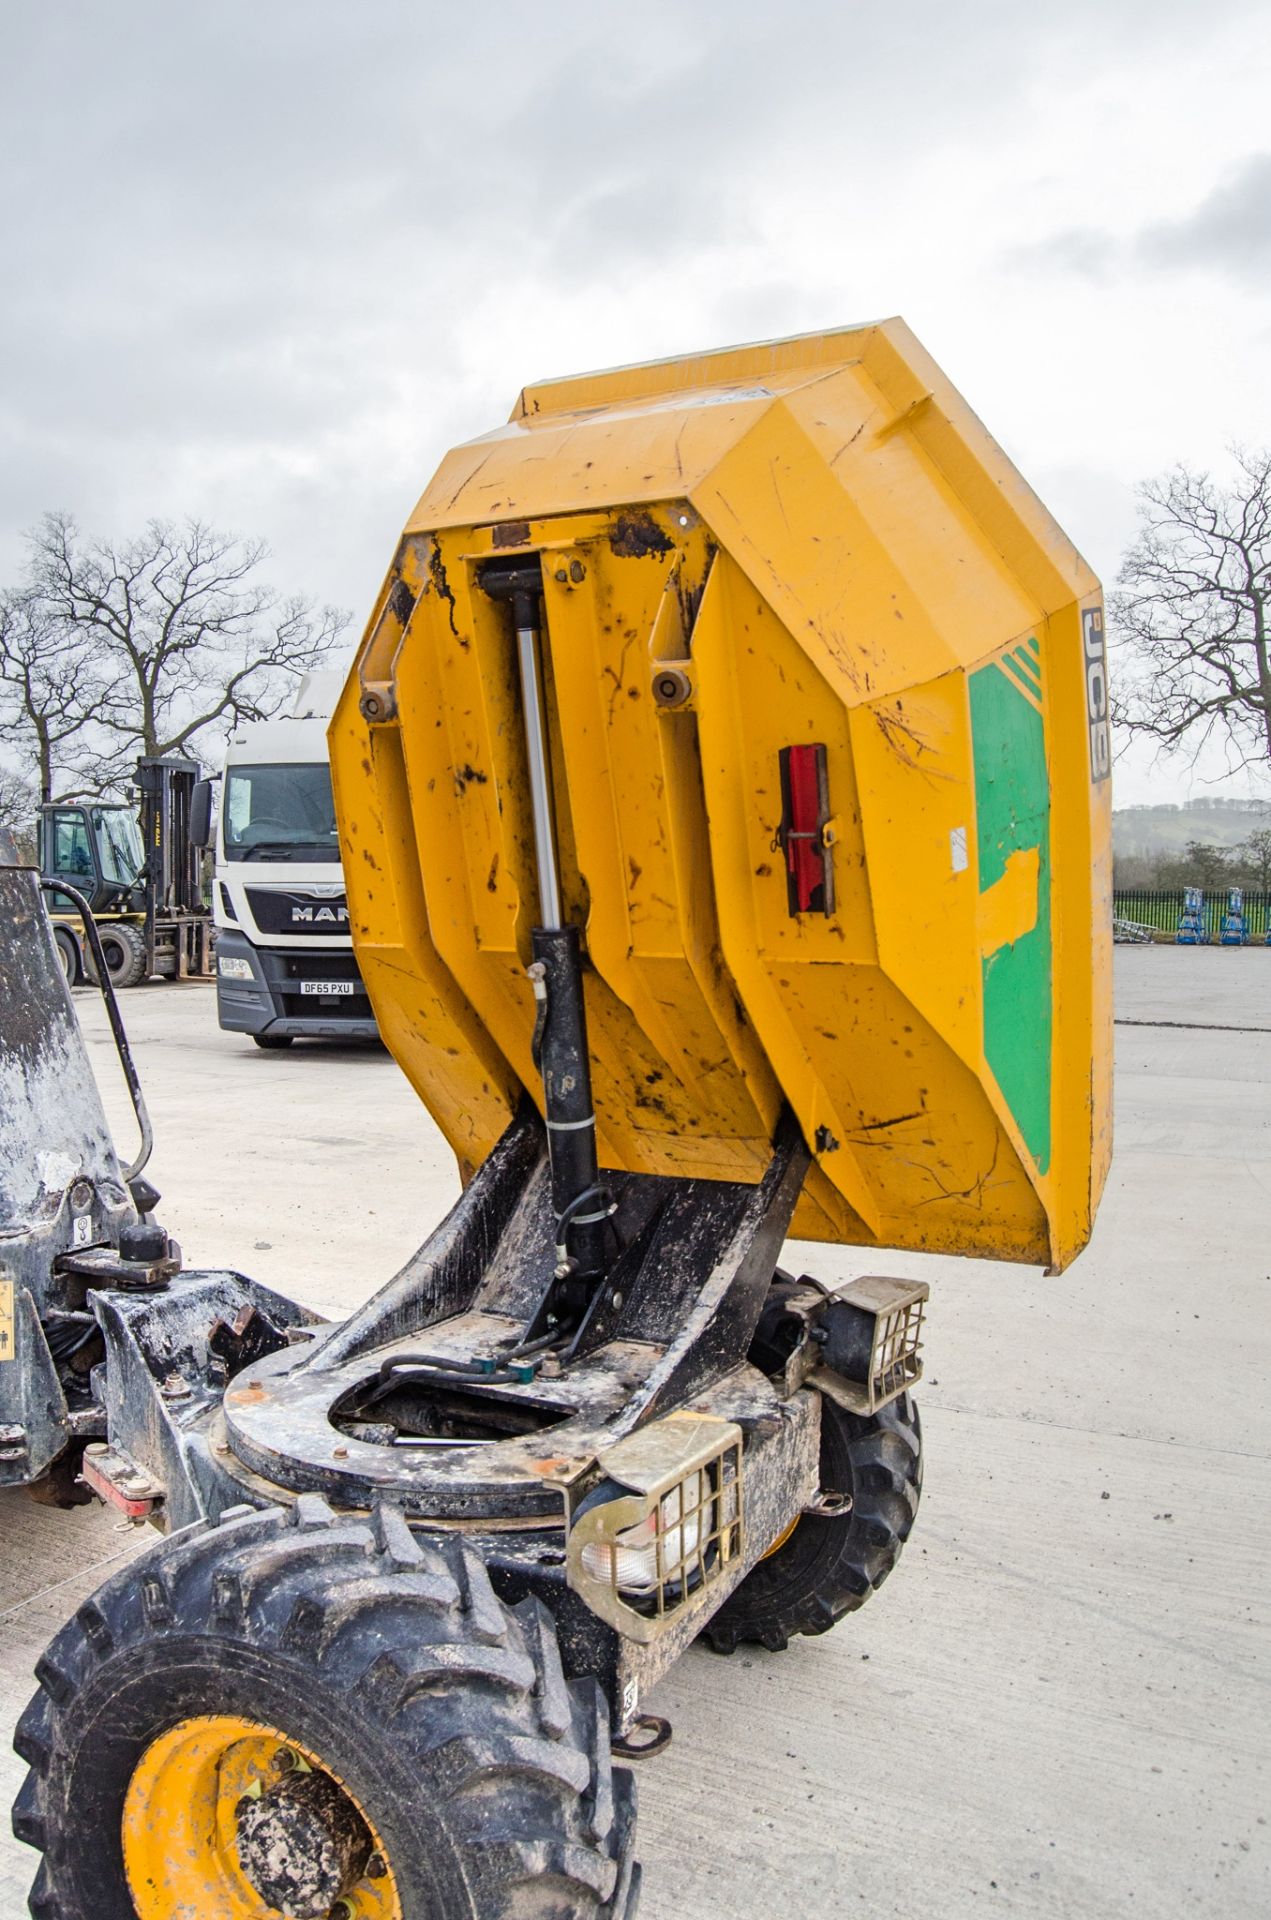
[830, 1566]
[273, 1042]
[124, 948]
[68, 954]
[316, 1713]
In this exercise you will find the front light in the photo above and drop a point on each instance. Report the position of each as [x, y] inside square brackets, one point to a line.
[663, 1548]
[231, 969]
[663, 1524]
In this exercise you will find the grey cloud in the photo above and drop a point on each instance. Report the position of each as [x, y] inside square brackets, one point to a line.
[1229, 231]
[1078, 250]
[248, 248]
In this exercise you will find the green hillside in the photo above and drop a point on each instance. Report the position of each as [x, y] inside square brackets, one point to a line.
[1144, 832]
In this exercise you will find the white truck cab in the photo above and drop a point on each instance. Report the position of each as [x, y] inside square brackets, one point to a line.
[285, 967]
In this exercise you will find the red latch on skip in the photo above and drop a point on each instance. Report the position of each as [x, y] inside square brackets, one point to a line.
[801, 836]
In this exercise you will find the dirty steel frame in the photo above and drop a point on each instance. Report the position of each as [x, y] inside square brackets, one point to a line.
[93, 1231]
[694, 1273]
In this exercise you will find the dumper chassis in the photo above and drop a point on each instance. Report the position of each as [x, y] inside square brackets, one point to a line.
[334, 1540]
[390, 1619]
[424, 1566]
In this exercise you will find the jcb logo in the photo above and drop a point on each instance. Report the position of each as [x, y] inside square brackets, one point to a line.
[314, 916]
[1096, 661]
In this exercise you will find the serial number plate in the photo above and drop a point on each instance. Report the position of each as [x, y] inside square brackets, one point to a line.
[325, 987]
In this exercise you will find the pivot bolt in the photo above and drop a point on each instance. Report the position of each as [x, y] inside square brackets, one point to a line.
[671, 686]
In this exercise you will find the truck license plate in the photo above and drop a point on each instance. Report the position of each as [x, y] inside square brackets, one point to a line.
[325, 987]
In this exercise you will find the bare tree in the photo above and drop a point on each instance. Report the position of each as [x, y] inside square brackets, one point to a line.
[52, 685]
[1192, 619]
[191, 640]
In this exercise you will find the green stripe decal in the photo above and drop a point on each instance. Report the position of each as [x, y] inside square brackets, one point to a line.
[1029, 665]
[1020, 678]
[1012, 815]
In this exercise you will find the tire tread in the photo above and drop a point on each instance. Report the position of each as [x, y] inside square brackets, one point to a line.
[801, 1592]
[516, 1760]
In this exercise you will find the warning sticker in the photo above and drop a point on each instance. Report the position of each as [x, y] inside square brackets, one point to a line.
[6, 1320]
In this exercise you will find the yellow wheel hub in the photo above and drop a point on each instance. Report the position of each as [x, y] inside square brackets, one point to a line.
[193, 1800]
[781, 1538]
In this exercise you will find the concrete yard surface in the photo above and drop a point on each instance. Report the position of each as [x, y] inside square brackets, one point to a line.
[1059, 1707]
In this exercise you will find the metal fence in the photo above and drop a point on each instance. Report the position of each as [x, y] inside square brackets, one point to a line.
[1162, 910]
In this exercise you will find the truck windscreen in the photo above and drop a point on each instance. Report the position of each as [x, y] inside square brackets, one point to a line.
[280, 812]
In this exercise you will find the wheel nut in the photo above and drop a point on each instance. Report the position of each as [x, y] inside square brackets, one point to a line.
[284, 1760]
[376, 1867]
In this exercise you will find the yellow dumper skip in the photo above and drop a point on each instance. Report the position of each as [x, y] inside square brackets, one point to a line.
[826, 697]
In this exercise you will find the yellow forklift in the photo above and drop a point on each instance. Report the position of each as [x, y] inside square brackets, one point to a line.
[140, 874]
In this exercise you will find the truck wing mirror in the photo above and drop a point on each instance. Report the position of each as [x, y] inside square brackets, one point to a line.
[201, 813]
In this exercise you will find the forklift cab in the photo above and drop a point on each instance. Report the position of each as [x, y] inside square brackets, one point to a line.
[97, 849]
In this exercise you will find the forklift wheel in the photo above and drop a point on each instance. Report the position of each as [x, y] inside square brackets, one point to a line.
[828, 1566]
[273, 1041]
[124, 947]
[318, 1715]
[68, 954]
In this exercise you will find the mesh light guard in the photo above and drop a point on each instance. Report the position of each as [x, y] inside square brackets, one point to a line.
[655, 1464]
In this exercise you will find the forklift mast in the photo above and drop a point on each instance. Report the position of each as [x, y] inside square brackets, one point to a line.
[165, 787]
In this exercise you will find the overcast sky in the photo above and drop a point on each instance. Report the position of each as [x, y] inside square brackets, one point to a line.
[264, 261]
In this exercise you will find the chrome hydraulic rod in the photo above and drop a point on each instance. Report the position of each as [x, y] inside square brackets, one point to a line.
[527, 653]
[581, 1204]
